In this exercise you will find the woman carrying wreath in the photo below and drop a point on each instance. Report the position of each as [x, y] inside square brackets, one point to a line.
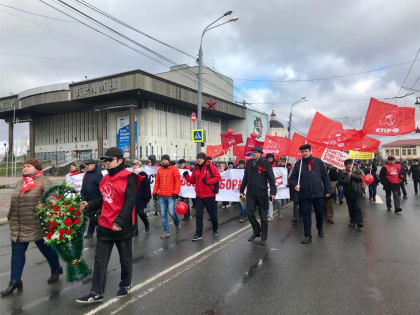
[25, 226]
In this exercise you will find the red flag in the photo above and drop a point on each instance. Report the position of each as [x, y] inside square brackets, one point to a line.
[386, 119]
[215, 151]
[331, 134]
[250, 144]
[277, 145]
[230, 140]
[299, 140]
[366, 144]
[238, 150]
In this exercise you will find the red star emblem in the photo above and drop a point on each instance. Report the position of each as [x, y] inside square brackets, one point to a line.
[211, 103]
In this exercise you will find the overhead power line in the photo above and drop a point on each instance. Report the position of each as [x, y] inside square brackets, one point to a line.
[409, 70]
[36, 14]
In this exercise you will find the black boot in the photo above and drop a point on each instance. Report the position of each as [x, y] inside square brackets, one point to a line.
[55, 275]
[147, 227]
[13, 285]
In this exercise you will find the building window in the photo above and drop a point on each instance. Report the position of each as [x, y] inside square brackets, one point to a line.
[408, 151]
[387, 152]
[392, 152]
[404, 151]
[414, 151]
[397, 152]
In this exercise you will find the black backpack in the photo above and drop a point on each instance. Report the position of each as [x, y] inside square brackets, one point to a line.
[216, 186]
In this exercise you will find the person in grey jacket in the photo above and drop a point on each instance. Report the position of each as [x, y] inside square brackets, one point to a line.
[312, 183]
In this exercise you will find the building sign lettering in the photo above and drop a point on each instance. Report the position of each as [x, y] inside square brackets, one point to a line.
[8, 103]
[94, 88]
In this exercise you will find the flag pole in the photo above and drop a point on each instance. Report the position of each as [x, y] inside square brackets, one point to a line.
[300, 166]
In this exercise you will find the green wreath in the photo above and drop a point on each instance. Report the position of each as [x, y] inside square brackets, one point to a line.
[64, 224]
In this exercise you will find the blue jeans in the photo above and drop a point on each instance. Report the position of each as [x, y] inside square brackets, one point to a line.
[18, 258]
[340, 190]
[167, 204]
[242, 207]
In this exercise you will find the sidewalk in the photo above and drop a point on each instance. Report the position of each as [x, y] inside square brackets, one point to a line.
[5, 194]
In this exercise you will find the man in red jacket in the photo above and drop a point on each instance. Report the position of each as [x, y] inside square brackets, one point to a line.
[206, 177]
[390, 177]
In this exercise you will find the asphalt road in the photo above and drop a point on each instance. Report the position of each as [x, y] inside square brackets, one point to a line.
[374, 271]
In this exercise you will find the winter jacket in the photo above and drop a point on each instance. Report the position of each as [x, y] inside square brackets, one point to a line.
[256, 176]
[415, 171]
[124, 219]
[352, 185]
[404, 172]
[90, 185]
[207, 171]
[167, 181]
[314, 181]
[24, 224]
[143, 193]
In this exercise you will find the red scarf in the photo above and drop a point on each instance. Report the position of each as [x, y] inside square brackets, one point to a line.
[29, 182]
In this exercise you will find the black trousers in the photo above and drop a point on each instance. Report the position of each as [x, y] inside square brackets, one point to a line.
[252, 203]
[92, 224]
[211, 207]
[305, 207]
[402, 186]
[143, 217]
[394, 193]
[355, 211]
[416, 185]
[102, 255]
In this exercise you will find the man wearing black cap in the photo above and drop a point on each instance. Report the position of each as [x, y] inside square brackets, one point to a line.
[390, 177]
[351, 179]
[258, 172]
[310, 180]
[205, 177]
[90, 191]
[115, 224]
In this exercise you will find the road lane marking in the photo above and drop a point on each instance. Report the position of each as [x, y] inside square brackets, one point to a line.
[167, 271]
[161, 283]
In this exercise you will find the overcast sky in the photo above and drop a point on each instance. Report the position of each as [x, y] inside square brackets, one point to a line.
[272, 41]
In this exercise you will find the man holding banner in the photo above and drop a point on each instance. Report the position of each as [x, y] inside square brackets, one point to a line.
[310, 180]
[258, 173]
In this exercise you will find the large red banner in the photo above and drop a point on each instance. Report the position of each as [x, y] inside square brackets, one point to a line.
[215, 151]
[250, 144]
[230, 140]
[386, 119]
[279, 146]
[331, 134]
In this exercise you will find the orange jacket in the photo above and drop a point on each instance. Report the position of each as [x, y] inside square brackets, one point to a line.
[167, 181]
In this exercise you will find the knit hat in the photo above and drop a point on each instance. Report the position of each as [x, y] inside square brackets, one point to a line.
[34, 162]
[348, 161]
[201, 155]
[165, 157]
[270, 155]
[391, 158]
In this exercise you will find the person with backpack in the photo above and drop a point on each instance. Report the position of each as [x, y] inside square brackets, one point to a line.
[258, 172]
[90, 191]
[206, 178]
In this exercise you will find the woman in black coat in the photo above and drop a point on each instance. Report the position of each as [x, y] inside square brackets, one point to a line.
[143, 197]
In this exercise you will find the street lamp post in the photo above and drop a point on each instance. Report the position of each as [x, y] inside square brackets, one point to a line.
[289, 127]
[56, 152]
[200, 69]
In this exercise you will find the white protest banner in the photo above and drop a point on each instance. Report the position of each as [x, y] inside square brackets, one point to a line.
[334, 157]
[228, 187]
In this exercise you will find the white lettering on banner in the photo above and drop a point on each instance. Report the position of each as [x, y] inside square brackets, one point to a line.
[387, 130]
[228, 188]
[334, 157]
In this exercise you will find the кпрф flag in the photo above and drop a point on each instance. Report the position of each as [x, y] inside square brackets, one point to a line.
[384, 119]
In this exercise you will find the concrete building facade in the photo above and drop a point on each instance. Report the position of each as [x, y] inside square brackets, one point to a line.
[406, 149]
[81, 117]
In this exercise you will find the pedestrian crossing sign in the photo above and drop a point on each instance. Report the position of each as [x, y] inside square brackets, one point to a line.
[198, 135]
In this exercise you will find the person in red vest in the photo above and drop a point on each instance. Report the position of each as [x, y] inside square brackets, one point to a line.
[205, 176]
[115, 225]
[390, 177]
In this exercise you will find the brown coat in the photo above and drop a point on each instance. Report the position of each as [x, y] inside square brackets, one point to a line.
[24, 224]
